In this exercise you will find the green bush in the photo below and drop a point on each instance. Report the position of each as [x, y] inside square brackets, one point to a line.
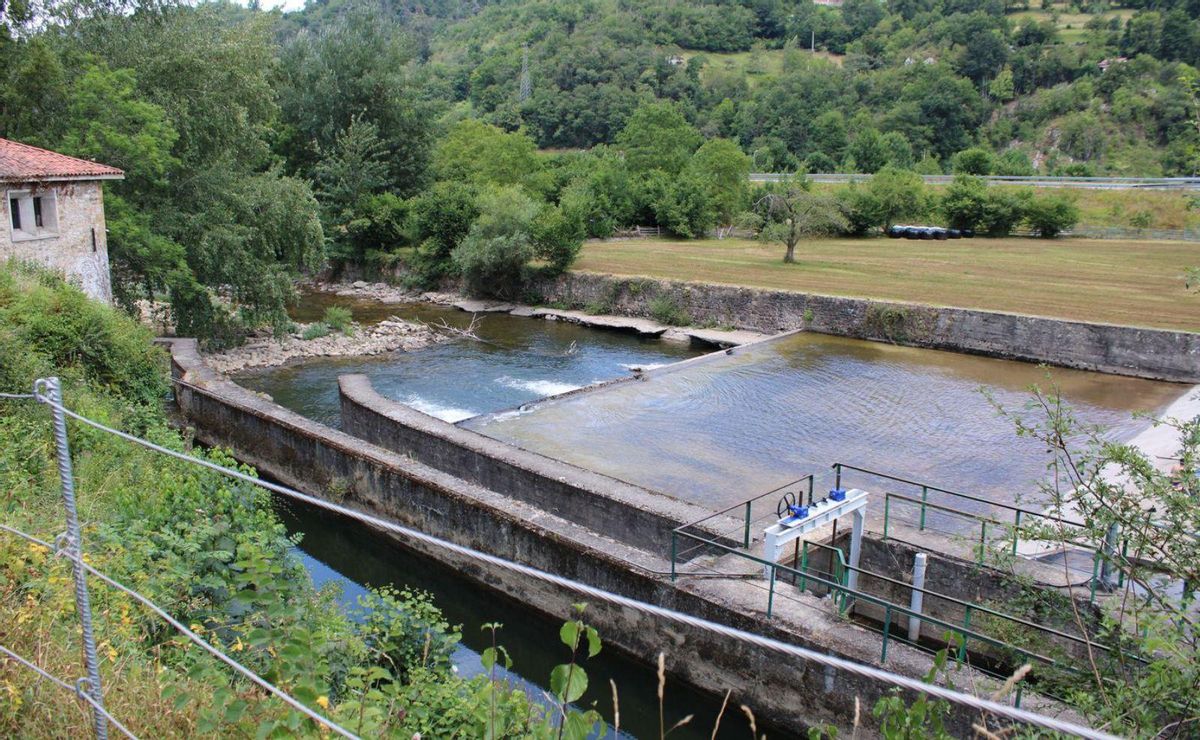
[48, 326]
[665, 310]
[1050, 215]
[495, 265]
[316, 331]
[338, 318]
[970, 204]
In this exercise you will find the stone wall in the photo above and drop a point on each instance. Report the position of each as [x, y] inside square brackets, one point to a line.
[80, 248]
[1123, 350]
[787, 691]
[611, 507]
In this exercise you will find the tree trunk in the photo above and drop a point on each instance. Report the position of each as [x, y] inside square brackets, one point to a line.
[790, 256]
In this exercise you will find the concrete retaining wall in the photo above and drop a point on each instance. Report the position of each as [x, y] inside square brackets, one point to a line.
[325, 462]
[611, 507]
[1124, 350]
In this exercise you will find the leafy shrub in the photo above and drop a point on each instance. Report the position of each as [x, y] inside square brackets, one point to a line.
[665, 310]
[973, 161]
[338, 318]
[493, 265]
[970, 204]
[557, 237]
[685, 208]
[315, 331]
[48, 326]
[1050, 215]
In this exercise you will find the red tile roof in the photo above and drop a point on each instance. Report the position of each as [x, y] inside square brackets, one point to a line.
[24, 163]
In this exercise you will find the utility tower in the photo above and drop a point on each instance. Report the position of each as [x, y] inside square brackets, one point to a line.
[526, 83]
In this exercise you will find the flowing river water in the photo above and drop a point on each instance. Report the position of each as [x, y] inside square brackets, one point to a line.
[715, 432]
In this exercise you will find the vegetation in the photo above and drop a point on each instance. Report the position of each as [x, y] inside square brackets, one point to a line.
[355, 132]
[213, 553]
[1140, 283]
[1149, 612]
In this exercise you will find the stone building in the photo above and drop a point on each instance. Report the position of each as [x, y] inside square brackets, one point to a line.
[54, 214]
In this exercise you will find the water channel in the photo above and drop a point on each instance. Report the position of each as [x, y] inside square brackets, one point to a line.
[719, 431]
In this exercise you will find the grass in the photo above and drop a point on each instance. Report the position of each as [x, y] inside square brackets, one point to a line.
[757, 65]
[1138, 283]
[1070, 25]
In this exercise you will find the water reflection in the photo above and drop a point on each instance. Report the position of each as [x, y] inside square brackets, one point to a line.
[724, 430]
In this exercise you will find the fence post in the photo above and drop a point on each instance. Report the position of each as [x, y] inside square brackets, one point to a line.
[982, 540]
[804, 566]
[887, 510]
[51, 389]
[1016, 531]
[924, 499]
[917, 599]
[746, 534]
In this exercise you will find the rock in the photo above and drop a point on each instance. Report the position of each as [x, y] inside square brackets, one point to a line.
[477, 306]
[360, 284]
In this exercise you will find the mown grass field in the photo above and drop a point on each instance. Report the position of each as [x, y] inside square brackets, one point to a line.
[1137, 283]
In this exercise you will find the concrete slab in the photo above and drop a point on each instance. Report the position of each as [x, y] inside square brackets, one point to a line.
[645, 327]
[478, 306]
[724, 337]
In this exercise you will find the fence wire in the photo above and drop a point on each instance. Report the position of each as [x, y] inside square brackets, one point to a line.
[986, 706]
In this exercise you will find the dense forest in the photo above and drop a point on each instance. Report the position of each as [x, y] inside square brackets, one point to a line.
[483, 140]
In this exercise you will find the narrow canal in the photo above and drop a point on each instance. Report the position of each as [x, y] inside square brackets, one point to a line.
[343, 552]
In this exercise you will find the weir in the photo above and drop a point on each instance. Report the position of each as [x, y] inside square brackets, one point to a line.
[580, 498]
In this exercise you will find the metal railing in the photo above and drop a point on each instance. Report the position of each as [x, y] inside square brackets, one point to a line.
[923, 505]
[1037, 181]
[747, 518]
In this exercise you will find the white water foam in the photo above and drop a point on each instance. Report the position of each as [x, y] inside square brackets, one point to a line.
[542, 388]
[642, 367]
[445, 413]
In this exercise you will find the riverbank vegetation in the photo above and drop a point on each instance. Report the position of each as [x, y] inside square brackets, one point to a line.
[483, 142]
[1141, 283]
[211, 552]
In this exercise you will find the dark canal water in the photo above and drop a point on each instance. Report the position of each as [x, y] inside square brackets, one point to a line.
[344, 552]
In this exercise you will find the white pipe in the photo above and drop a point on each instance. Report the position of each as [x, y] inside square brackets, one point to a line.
[918, 596]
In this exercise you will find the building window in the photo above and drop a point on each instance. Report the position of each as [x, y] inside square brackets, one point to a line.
[33, 216]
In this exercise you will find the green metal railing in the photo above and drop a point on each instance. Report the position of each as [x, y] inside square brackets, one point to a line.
[986, 521]
[845, 597]
[746, 508]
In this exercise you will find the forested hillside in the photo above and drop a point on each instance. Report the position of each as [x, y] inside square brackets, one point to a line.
[485, 141]
[1074, 88]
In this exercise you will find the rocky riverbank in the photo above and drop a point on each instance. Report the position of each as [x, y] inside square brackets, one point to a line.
[390, 335]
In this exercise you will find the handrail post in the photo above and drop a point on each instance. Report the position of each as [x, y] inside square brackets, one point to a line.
[887, 510]
[962, 648]
[674, 550]
[982, 540]
[1016, 531]
[746, 534]
[804, 567]
[50, 390]
[887, 628]
[837, 475]
[924, 500]
[771, 592]
[1095, 577]
[810, 489]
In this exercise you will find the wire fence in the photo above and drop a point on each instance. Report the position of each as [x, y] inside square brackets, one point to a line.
[89, 690]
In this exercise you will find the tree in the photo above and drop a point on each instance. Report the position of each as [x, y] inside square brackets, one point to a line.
[350, 171]
[441, 217]
[868, 151]
[482, 154]
[793, 213]
[898, 195]
[657, 137]
[354, 66]
[724, 169]
[685, 207]
[973, 161]
[1050, 215]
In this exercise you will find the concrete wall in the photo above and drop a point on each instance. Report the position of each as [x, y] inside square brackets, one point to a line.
[79, 248]
[786, 691]
[611, 507]
[1146, 353]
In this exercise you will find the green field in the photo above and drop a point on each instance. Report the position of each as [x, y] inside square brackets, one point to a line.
[1111, 281]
